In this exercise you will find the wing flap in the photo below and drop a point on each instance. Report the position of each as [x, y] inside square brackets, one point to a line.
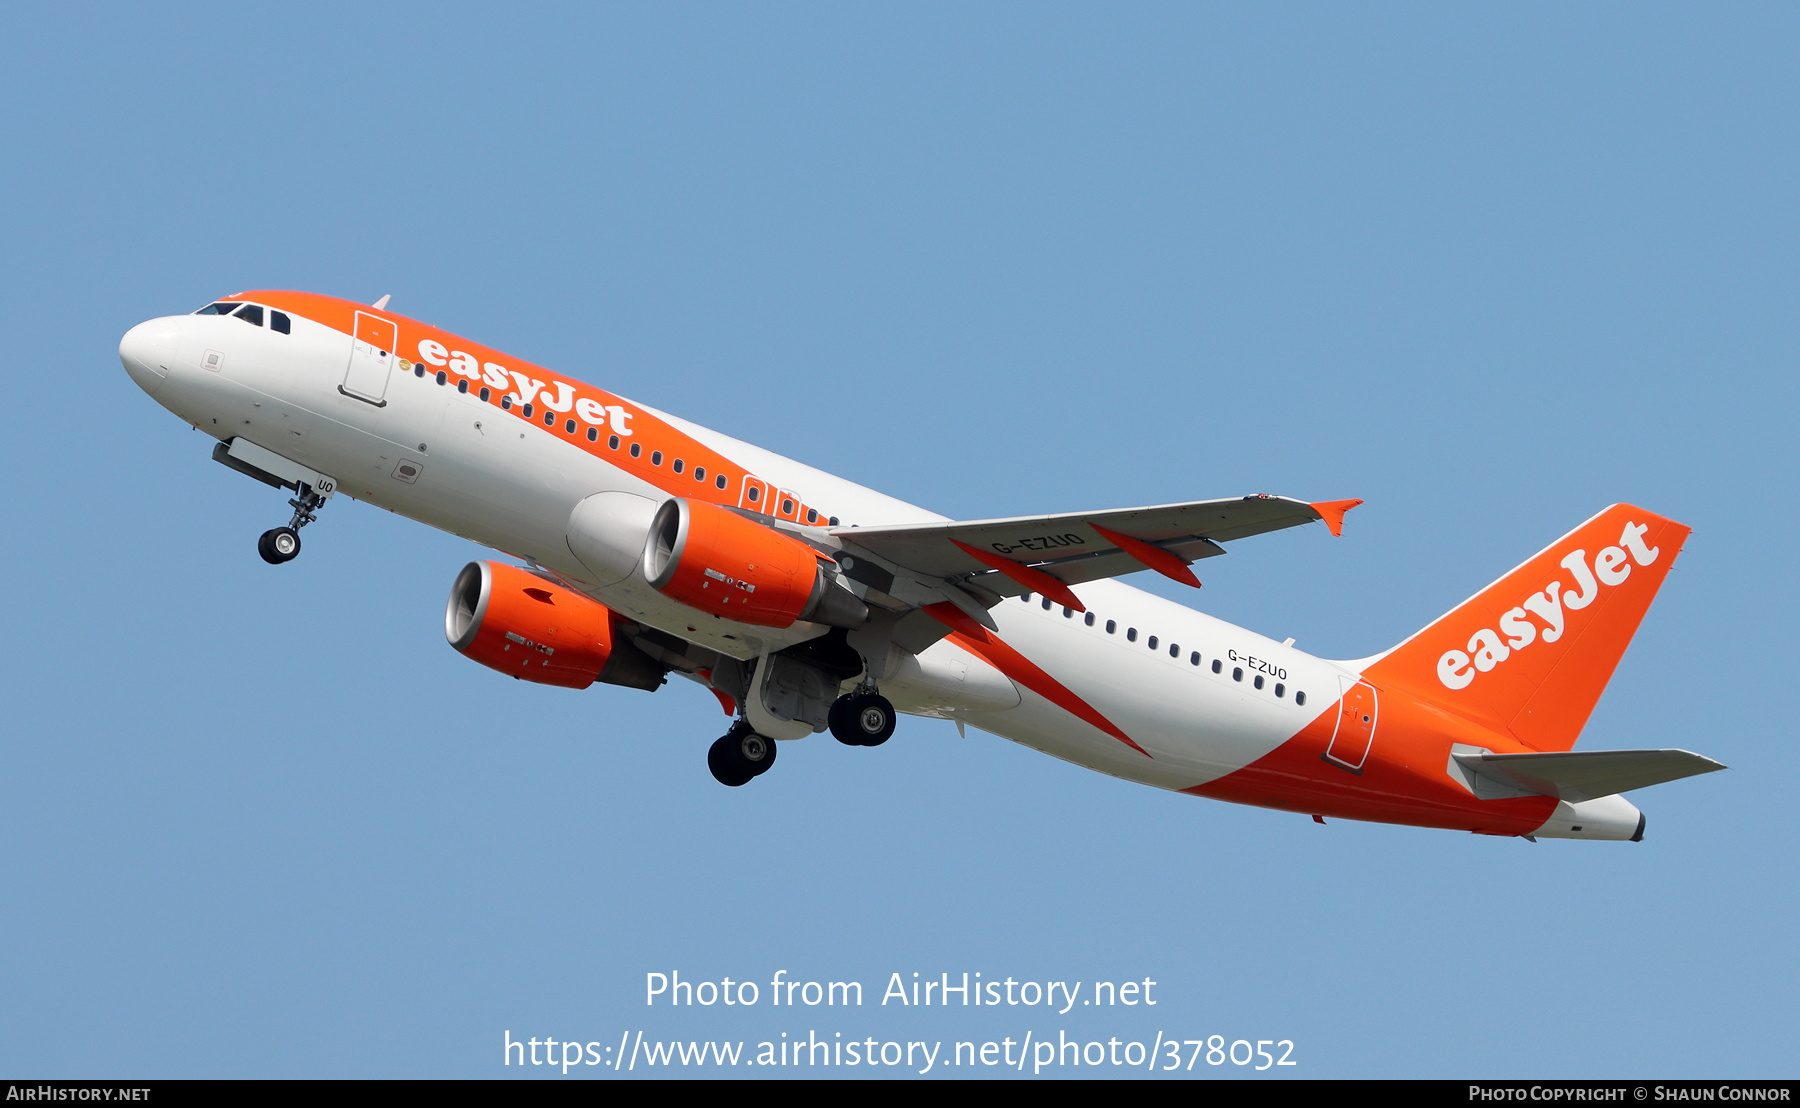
[1072, 546]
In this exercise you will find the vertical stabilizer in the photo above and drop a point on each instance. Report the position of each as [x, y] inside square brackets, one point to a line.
[1530, 654]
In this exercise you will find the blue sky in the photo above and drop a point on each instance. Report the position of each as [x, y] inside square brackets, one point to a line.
[1489, 269]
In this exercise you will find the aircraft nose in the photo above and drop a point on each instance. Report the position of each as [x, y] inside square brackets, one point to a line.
[148, 350]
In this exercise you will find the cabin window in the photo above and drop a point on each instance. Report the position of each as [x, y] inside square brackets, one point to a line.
[1088, 619]
[679, 465]
[699, 473]
[1300, 699]
[278, 321]
[656, 457]
[1068, 613]
[527, 410]
[462, 387]
[569, 427]
[506, 402]
[612, 442]
[812, 515]
[593, 434]
[1131, 634]
[1218, 666]
[832, 521]
[1111, 626]
[637, 449]
[719, 481]
[1279, 689]
[1152, 643]
[787, 507]
[550, 419]
[1026, 598]
[486, 395]
[1174, 651]
[442, 376]
[1046, 603]
[418, 369]
[755, 494]
[1194, 658]
[1259, 681]
[1237, 673]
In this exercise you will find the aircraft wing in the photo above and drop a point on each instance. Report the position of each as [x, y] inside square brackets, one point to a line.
[986, 560]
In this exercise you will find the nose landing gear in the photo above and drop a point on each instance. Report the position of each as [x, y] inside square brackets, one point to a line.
[282, 544]
[740, 754]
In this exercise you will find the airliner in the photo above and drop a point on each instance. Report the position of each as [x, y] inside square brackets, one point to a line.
[643, 546]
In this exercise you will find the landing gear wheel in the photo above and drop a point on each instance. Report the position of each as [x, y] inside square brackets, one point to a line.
[840, 723]
[727, 765]
[282, 544]
[739, 755]
[757, 752]
[862, 719]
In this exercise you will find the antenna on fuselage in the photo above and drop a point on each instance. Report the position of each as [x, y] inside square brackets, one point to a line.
[382, 303]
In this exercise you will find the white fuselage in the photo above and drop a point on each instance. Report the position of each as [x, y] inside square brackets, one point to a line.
[511, 484]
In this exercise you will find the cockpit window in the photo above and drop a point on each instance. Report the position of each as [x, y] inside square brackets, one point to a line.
[279, 321]
[223, 307]
[251, 314]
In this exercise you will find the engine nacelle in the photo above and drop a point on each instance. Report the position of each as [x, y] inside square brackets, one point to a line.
[525, 627]
[721, 563]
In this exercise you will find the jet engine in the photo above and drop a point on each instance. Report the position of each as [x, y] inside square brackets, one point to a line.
[722, 563]
[526, 627]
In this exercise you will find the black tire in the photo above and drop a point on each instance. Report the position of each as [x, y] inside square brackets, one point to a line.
[839, 721]
[869, 717]
[279, 545]
[755, 752]
[727, 765]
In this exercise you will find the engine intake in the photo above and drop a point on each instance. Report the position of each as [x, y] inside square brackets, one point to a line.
[526, 627]
[719, 562]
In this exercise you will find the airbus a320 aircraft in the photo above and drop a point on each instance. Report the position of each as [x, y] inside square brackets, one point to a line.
[805, 602]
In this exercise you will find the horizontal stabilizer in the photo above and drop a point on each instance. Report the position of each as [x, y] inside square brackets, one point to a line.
[1577, 775]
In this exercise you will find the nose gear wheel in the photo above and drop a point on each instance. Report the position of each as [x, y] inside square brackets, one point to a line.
[282, 544]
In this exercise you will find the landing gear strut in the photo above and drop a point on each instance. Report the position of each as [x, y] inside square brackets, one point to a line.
[862, 717]
[282, 544]
[740, 754]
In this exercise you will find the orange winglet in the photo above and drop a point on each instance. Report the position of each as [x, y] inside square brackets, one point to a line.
[1154, 557]
[1034, 579]
[1332, 512]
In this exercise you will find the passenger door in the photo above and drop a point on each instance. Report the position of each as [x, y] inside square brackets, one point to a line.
[1355, 731]
[371, 360]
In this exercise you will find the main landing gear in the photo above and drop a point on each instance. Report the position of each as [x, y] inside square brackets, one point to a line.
[862, 717]
[282, 544]
[739, 755]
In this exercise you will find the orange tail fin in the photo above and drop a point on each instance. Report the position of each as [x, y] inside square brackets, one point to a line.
[1530, 654]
